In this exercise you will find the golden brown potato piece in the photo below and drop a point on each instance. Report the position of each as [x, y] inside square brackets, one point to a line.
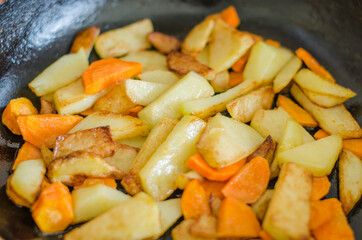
[96, 140]
[205, 226]
[123, 157]
[46, 155]
[74, 168]
[85, 39]
[265, 150]
[244, 108]
[47, 107]
[260, 206]
[163, 42]
[150, 60]
[182, 64]
[182, 231]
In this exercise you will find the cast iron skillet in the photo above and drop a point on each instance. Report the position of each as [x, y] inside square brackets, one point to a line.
[34, 33]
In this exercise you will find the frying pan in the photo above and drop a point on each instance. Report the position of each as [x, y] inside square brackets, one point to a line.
[34, 33]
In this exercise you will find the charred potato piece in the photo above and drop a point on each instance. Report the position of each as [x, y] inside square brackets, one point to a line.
[163, 42]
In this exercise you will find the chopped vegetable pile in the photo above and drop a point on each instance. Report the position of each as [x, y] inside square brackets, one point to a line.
[195, 115]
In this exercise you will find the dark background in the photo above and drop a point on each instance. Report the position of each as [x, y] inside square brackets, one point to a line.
[34, 33]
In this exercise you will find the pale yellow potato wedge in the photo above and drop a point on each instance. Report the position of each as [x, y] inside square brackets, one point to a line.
[260, 206]
[150, 60]
[74, 168]
[244, 108]
[334, 120]
[265, 150]
[49, 97]
[221, 82]
[143, 93]
[118, 42]
[96, 140]
[226, 141]
[168, 104]
[272, 122]
[27, 179]
[168, 161]
[324, 100]
[123, 157]
[89, 202]
[307, 79]
[122, 127]
[116, 101]
[198, 37]
[286, 74]
[134, 142]
[318, 157]
[131, 181]
[227, 46]
[350, 180]
[206, 107]
[204, 56]
[265, 61]
[136, 218]
[183, 178]
[16, 198]
[170, 212]
[159, 76]
[60, 73]
[287, 216]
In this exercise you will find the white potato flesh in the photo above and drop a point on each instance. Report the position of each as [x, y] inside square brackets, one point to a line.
[286, 74]
[204, 56]
[168, 103]
[324, 100]
[159, 76]
[170, 211]
[169, 160]
[134, 142]
[150, 60]
[59, 74]
[118, 42]
[123, 157]
[89, 202]
[27, 179]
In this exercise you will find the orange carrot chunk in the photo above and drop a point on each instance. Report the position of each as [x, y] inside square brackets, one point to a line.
[320, 187]
[313, 64]
[110, 182]
[320, 134]
[27, 152]
[264, 235]
[43, 129]
[197, 163]
[53, 210]
[354, 145]
[104, 73]
[336, 226]
[235, 78]
[213, 189]
[15, 108]
[236, 219]
[230, 16]
[272, 43]
[320, 212]
[250, 182]
[194, 200]
[239, 65]
[296, 112]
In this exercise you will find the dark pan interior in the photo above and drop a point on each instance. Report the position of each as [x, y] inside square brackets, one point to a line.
[34, 33]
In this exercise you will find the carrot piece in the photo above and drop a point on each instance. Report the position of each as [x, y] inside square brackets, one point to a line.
[239, 65]
[236, 219]
[53, 210]
[110, 182]
[272, 42]
[27, 152]
[336, 226]
[43, 129]
[87, 112]
[104, 73]
[230, 16]
[213, 189]
[320, 187]
[320, 212]
[320, 134]
[197, 163]
[296, 112]
[313, 64]
[264, 235]
[354, 145]
[15, 108]
[250, 182]
[85, 39]
[194, 201]
[235, 78]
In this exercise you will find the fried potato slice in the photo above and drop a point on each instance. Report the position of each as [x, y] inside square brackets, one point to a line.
[182, 64]
[204, 56]
[182, 231]
[243, 109]
[85, 39]
[350, 180]
[260, 206]
[198, 37]
[334, 120]
[159, 76]
[118, 42]
[227, 46]
[123, 157]
[96, 140]
[221, 82]
[47, 107]
[14, 196]
[286, 74]
[122, 127]
[265, 150]
[150, 60]
[74, 168]
[163, 42]
[324, 100]
[205, 226]
[46, 155]
[170, 212]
